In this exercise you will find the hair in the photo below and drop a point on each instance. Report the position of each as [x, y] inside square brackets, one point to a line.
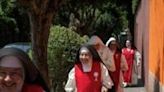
[93, 52]
[32, 74]
[132, 44]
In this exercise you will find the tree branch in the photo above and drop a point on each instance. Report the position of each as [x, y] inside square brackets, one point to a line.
[53, 5]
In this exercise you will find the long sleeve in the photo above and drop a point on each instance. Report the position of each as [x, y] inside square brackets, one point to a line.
[107, 58]
[138, 60]
[124, 65]
[70, 85]
[106, 80]
[138, 57]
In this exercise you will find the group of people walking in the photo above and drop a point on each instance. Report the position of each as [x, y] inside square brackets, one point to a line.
[98, 67]
[102, 67]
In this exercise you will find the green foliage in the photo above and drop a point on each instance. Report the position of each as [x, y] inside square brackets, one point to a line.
[135, 4]
[99, 15]
[62, 47]
[6, 7]
[112, 16]
[104, 16]
[14, 23]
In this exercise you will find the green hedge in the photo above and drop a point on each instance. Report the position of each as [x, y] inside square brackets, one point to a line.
[62, 47]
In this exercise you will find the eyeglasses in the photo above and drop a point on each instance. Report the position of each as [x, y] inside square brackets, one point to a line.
[13, 74]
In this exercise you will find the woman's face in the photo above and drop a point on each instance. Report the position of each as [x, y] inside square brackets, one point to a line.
[85, 55]
[11, 78]
[128, 43]
[113, 45]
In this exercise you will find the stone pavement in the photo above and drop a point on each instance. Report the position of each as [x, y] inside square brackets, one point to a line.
[134, 89]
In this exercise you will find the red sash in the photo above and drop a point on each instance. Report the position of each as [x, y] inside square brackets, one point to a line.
[88, 81]
[32, 88]
[115, 76]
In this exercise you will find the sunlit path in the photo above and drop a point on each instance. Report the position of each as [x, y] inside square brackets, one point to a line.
[134, 89]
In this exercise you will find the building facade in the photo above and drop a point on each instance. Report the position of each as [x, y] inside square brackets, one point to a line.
[149, 39]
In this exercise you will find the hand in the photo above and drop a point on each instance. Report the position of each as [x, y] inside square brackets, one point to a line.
[104, 89]
[138, 63]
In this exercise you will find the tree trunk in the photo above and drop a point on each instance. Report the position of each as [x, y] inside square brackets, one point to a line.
[131, 19]
[40, 26]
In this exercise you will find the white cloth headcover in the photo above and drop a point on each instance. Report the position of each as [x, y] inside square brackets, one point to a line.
[110, 40]
[128, 41]
[10, 61]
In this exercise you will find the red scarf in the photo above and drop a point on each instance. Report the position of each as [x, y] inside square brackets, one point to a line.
[116, 74]
[88, 81]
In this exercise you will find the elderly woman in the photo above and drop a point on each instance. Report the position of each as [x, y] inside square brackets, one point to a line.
[88, 74]
[18, 74]
[120, 63]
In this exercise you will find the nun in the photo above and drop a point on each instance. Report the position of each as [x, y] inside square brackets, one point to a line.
[18, 73]
[88, 73]
[120, 64]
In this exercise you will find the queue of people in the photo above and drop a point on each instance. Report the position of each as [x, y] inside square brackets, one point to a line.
[107, 62]
[98, 67]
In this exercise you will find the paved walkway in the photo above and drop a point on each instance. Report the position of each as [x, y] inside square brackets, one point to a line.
[134, 89]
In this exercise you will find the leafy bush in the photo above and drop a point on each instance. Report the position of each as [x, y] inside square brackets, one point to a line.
[62, 47]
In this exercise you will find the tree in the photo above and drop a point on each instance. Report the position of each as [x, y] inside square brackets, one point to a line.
[41, 14]
[14, 23]
[7, 23]
[62, 49]
[101, 17]
[131, 7]
[89, 16]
